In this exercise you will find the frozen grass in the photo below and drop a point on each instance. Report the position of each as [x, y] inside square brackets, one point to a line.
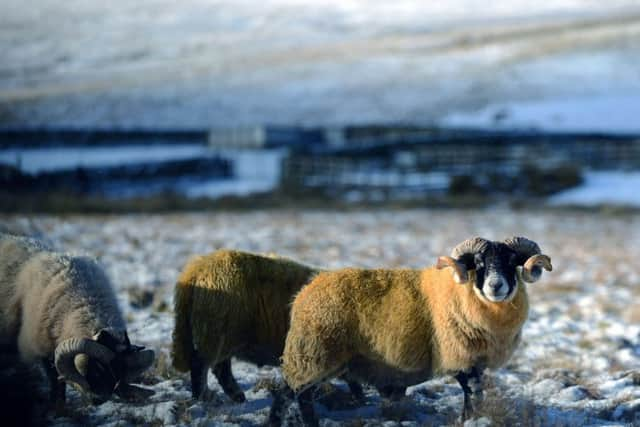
[579, 363]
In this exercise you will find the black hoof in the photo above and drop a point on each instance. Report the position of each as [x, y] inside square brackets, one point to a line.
[239, 398]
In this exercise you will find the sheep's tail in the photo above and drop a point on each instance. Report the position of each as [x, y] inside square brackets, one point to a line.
[182, 347]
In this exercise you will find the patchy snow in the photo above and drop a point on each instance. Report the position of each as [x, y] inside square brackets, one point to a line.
[578, 363]
[255, 171]
[225, 63]
[609, 113]
[37, 160]
[602, 188]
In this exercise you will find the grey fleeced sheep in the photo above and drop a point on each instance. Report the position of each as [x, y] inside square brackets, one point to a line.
[61, 310]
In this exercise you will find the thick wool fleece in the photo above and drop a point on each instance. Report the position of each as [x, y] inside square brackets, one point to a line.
[231, 303]
[397, 327]
[47, 297]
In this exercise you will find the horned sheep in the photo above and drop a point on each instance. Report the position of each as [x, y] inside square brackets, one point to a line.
[402, 327]
[234, 304]
[60, 310]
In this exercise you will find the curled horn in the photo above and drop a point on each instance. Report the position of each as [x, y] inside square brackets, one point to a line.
[465, 251]
[530, 257]
[461, 259]
[66, 351]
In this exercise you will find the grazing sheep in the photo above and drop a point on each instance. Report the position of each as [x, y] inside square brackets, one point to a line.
[60, 310]
[231, 303]
[402, 327]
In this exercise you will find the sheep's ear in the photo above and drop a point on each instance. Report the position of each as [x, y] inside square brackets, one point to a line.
[106, 339]
[112, 343]
[459, 269]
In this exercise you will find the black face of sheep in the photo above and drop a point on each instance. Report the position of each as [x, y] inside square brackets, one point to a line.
[110, 365]
[497, 265]
[104, 377]
[107, 379]
[102, 380]
[495, 272]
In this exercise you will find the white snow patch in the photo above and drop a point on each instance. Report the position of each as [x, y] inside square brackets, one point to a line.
[36, 160]
[614, 188]
[610, 113]
[255, 171]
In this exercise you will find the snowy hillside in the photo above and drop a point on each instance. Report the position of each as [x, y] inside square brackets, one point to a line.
[579, 362]
[222, 63]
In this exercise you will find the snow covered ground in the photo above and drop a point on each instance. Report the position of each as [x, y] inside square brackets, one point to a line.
[606, 113]
[238, 62]
[602, 188]
[254, 171]
[37, 160]
[579, 362]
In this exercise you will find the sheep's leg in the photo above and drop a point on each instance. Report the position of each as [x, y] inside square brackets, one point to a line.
[282, 397]
[392, 392]
[223, 373]
[356, 390]
[471, 384]
[475, 383]
[305, 402]
[354, 387]
[385, 391]
[398, 392]
[199, 371]
[57, 387]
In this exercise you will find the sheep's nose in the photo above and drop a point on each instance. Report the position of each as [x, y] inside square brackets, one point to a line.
[495, 283]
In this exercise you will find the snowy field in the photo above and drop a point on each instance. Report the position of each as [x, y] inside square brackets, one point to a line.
[554, 64]
[254, 171]
[613, 188]
[579, 362]
[38, 160]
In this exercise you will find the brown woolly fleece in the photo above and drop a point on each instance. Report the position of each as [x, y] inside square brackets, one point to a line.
[397, 327]
[231, 303]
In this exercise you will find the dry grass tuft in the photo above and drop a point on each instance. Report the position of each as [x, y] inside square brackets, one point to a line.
[269, 384]
[632, 314]
[564, 376]
[163, 368]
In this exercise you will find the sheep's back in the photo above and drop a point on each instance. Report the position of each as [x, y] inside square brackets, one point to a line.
[377, 315]
[241, 300]
[15, 253]
[53, 296]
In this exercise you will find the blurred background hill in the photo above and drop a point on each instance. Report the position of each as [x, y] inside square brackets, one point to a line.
[249, 79]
